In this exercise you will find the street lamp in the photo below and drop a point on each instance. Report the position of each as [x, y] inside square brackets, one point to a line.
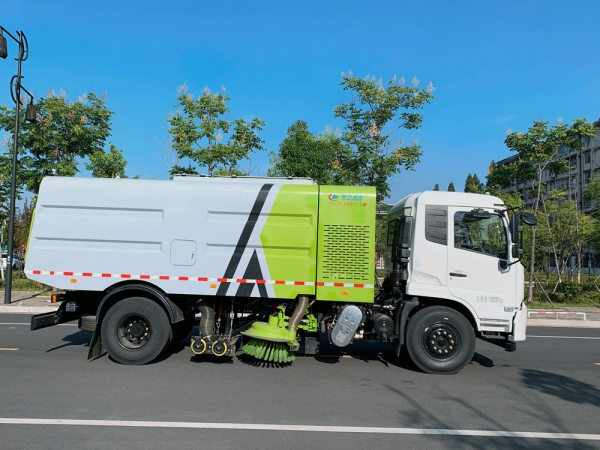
[15, 92]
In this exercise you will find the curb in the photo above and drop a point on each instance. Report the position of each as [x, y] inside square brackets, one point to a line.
[567, 323]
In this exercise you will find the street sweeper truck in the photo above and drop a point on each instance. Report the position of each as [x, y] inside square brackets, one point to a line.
[276, 267]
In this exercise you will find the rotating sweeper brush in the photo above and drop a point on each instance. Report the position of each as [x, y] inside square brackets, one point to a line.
[275, 341]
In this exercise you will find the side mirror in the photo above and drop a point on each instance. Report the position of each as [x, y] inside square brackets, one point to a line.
[515, 228]
[516, 251]
[402, 239]
[476, 214]
[529, 219]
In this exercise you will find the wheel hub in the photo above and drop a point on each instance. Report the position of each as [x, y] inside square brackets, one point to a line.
[441, 341]
[134, 332]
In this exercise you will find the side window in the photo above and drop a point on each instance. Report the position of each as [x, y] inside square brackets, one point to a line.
[486, 236]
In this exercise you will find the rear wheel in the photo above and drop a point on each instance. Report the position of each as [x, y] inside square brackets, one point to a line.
[136, 331]
[440, 340]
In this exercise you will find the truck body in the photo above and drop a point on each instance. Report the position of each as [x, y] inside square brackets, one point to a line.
[274, 265]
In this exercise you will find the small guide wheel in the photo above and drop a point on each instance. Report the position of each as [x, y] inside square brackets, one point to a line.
[219, 348]
[198, 347]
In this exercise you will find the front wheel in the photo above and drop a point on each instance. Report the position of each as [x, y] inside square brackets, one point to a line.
[135, 331]
[440, 340]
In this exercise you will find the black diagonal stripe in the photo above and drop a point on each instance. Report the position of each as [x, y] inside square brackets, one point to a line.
[244, 237]
[252, 272]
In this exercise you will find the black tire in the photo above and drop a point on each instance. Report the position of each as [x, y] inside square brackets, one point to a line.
[440, 340]
[136, 331]
[87, 322]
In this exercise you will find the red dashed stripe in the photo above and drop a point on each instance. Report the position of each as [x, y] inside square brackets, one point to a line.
[201, 279]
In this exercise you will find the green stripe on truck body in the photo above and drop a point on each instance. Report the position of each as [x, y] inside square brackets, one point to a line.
[289, 239]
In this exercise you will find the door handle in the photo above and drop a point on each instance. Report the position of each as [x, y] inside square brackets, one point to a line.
[455, 274]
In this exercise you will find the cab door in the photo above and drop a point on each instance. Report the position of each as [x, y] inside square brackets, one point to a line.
[478, 272]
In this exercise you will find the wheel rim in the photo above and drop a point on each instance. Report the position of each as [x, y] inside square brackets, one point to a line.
[441, 341]
[133, 331]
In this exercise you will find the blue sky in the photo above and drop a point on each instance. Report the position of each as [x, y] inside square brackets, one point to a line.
[495, 66]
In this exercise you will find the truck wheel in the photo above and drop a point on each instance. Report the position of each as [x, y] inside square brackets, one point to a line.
[135, 331]
[440, 340]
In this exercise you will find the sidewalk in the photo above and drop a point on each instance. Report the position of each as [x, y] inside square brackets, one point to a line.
[36, 303]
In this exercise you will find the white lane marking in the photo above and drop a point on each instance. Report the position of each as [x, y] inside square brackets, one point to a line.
[564, 337]
[28, 324]
[309, 428]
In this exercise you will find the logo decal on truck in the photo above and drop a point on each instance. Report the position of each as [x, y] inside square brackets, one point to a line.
[346, 200]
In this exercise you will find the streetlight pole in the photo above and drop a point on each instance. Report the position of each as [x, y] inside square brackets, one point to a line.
[15, 92]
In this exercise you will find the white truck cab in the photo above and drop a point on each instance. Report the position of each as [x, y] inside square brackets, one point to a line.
[457, 249]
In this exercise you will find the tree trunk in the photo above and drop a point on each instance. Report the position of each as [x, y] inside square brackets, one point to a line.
[578, 266]
[531, 266]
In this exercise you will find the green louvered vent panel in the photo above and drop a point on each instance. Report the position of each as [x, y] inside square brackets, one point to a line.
[346, 253]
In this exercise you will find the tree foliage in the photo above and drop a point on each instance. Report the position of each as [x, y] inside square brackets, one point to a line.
[451, 187]
[64, 134]
[436, 187]
[535, 152]
[373, 116]
[302, 154]
[473, 185]
[5, 175]
[203, 134]
[23, 218]
[109, 164]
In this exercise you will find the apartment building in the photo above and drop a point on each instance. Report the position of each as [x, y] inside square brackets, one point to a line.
[582, 166]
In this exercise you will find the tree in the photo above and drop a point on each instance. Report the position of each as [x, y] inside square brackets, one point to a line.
[472, 184]
[23, 218]
[202, 134]
[66, 132]
[107, 165]
[373, 115]
[5, 179]
[302, 154]
[536, 151]
[436, 187]
[451, 187]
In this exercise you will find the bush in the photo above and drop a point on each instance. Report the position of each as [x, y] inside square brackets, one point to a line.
[571, 290]
[21, 283]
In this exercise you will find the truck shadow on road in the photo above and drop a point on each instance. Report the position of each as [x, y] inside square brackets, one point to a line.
[81, 338]
[560, 386]
[414, 413]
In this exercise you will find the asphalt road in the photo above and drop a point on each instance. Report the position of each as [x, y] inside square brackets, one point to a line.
[365, 400]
